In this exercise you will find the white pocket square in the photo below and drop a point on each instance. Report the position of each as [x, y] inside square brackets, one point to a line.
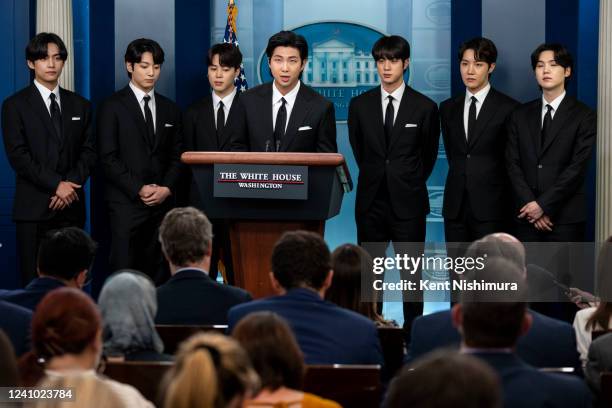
[76, 118]
[409, 125]
[304, 128]
[168, 125]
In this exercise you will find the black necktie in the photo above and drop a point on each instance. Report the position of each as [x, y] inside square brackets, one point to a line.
[149, 122]
[471, 118]
[279, 127]
[56, 116]
[220, 122]
[546, 125]
[389, 113]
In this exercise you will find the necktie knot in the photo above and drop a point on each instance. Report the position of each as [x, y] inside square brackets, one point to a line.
[52, 96]
[221, 106]
[390, 98]
[474, 99]
[549, 109]
[146, 99]
[283, 101]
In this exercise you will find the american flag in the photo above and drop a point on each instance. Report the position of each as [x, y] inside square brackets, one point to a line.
[231, 37]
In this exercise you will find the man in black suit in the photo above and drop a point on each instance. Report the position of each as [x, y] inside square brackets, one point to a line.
[15, 321]
[191, 296]
[49, 143]
[477, 188]
[285, 115]
[394, 132]
[65, 257]
[140, 146]
[491, 323]
[549, 145]
[208, 125]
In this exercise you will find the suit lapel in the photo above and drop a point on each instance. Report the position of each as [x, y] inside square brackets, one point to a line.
[457, 119]
[131, 103]
[535, 126]
[67, 112]
[160, 122]
[376, 110]
[562, 114]
[404, 114]
[487, 111]
[298, 113]
[38, 105]
[265, 114]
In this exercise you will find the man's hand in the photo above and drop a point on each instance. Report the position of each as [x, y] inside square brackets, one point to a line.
[543, 223]
[158, 197]
[66, 191]
[532, 211]
[57, 203]
[147, 191]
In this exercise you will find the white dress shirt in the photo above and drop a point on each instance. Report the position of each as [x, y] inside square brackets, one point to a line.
[397, 98]
[290, 102]
[46, 95]
[555, 105]
[480, 98]
[227, 104]
[140, 94]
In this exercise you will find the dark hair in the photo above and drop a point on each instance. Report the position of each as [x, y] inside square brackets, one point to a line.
[443, 379]
[494, 319]
[351, 264]
[66, 321]
[274, 352]
[37, 47]
[65, 252]
[600, 319]
[287, 39]
[391, 47]
[135, 49]
[484, 50]
[229, 55]
[185, 235]
[562, 56]
[300, 258]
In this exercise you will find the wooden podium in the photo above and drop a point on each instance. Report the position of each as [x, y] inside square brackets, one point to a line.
[257, 223]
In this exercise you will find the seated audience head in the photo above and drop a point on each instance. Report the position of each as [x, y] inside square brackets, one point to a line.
[273, 350]
[352, 265]
[66, 254]
[185, 235]
[128, 304]
[600, 319]
[211, 371]
[301, 259]
[499, 244]
[66, 335]
[490, 318]
[87, 390]
[445, 379]
[8, 363]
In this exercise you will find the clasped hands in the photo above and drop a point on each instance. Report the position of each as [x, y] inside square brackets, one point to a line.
[65, 194]
[535, 215]
[152, 194]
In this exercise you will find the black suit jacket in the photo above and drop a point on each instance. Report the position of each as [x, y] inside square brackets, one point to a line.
[312, 113]
[407, 162]
[191, 297]
[477, 166]
[16, 321]
[30, 296]
[39, 157]
[129, 161]
[553, 175]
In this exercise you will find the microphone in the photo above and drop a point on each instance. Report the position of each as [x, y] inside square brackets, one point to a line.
[278, 145]
[267, 145]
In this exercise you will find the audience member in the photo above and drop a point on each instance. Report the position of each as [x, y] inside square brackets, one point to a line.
[277, 358]
[8, 364]
[191, 296]
[326, 333]
[87, 391]
[128, 304]
[548, 343]
[211, 371]
[64, 259]
[67, 340]
[490, 323]
[352, 266]
[445, 379]
[599, 361]
[599, 317]
[15, 321]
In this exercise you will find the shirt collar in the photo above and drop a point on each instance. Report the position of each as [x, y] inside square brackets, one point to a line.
[191, 268]
[480, 95]
[397, 94]
[45, 92]
[140, 94]
[555, 103]
[227, 99]
[289, 97]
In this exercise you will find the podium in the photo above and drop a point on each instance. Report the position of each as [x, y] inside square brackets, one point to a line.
[265, 195]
